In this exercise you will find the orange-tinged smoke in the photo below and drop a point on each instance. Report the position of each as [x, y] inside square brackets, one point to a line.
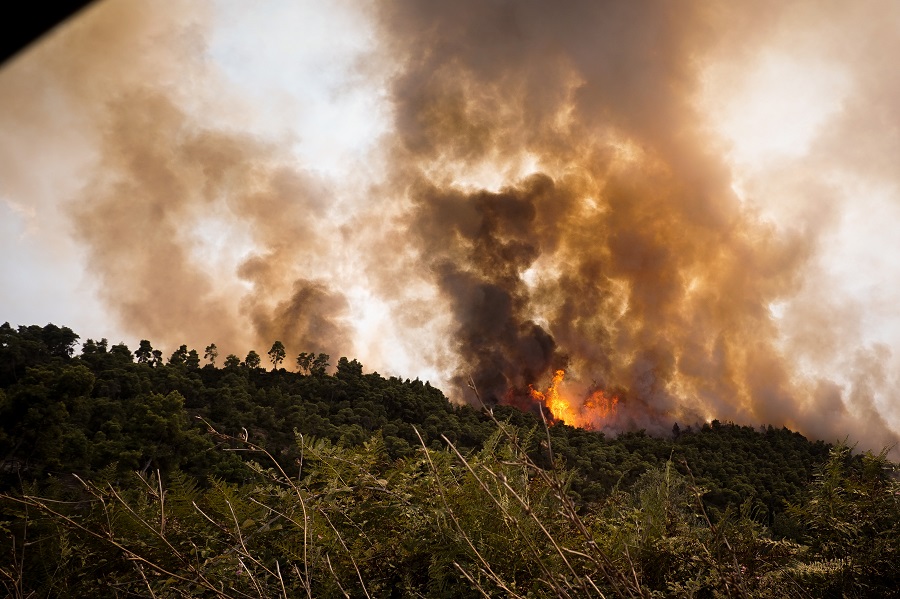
[590, 413]
[548, 198]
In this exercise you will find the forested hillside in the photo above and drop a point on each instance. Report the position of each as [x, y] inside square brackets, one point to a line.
[126, 472]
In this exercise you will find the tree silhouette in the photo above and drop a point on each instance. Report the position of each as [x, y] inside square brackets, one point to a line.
[304, 360]
[179, 356]
[277, 354]
[211, 353]
[252, 360]
[312, 363]
[144, 352]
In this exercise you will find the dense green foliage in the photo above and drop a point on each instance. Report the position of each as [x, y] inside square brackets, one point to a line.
[237, 481]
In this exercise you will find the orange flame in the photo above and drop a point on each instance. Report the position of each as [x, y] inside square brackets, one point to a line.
[598, 406]
[601, 404]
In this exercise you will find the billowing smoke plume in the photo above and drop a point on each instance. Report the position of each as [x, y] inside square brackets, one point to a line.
[167, 177]
[626, 258]
[173, 204]
[608, 239]
[550, 196]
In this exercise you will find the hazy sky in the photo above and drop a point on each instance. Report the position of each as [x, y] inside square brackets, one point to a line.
[696, 203]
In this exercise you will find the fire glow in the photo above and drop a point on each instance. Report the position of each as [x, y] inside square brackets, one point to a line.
[596, 407]
[626, 189]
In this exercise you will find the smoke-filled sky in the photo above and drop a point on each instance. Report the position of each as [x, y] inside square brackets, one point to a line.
[689, 205]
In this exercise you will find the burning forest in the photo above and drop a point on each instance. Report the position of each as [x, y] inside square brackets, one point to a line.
[590, 298]
[546, 213]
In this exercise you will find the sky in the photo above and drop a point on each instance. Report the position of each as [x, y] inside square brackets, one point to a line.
[691, 206]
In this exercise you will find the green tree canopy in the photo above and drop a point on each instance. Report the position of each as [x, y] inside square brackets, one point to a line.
[121, 350]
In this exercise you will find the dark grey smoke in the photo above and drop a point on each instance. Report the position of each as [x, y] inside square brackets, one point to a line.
[648, 274]
[550, 198]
